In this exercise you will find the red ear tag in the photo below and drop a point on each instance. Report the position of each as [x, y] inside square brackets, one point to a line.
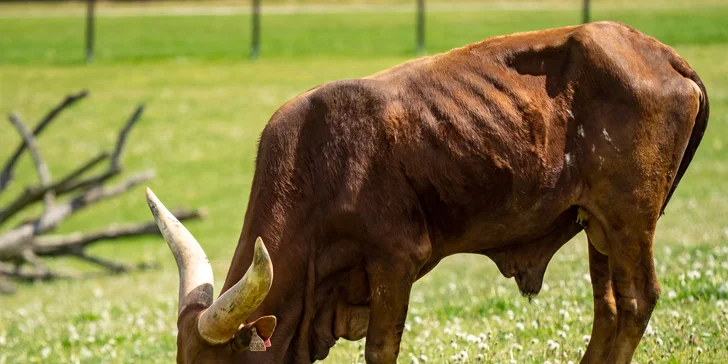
[256, 342]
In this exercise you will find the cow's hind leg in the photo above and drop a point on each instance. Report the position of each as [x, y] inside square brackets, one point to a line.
[605, 308]
[629, 233]
[635, 287]
[391, 272]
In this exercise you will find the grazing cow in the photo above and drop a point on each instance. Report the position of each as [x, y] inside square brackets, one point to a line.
[506, 148]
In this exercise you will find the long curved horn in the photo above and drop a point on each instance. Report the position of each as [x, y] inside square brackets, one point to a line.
[220, 322]
[195, 272]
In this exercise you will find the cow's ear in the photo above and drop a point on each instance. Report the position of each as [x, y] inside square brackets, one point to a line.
[264, 326]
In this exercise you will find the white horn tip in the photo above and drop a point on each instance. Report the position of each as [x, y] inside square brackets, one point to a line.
[150, 195]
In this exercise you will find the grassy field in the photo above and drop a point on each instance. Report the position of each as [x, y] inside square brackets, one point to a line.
[206, 105]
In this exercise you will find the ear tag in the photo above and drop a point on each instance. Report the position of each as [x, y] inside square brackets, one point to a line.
[256, 342]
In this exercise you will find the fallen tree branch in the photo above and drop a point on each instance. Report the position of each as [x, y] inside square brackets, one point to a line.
[6, 176]
[71, 182]
[55, 245]
[34, 274]
[109, 265]
[60, 188]
[23, 247]
[14, 240]
[40, 166]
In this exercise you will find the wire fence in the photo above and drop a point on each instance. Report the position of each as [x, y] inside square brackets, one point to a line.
[255, 39]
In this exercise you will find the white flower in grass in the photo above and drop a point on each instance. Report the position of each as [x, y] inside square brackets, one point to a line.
[553, 345]
[483, 347]
[463, 356]
[423, 358]
[534, 341]
[561, 334]
[649, 331]
[520, 326]
[671, 294]
[480, 358]
[471, 339]
[586, 338]
[700, 350]
[72, 334]
[45, 352]
[693, 274]
[86, 353]
[564, 314]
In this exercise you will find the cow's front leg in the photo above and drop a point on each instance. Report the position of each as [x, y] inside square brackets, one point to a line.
[605, 308]
[390, 282]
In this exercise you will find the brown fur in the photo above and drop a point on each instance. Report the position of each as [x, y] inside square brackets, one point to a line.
[363, 186]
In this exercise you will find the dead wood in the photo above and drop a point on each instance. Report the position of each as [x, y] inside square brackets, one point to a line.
[23, 247]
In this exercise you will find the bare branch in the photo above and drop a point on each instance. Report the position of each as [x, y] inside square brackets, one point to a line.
[114, 166]
[43, 174]
[121, 141]
[33, 275]
[55, 245]
[72, 181]
[22, 247]
[109, 265]
[60, 188]
[17, 238]
[6, 176]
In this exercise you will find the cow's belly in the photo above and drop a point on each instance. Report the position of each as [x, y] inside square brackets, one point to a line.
[520, 230]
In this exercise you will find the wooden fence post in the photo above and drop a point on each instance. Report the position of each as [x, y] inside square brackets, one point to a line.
[255, 36]
[90, 14]
[420, 27]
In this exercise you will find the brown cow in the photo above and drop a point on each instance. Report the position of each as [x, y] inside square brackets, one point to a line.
[507, 148]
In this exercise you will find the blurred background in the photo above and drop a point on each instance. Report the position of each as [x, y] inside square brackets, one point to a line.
[210, 79]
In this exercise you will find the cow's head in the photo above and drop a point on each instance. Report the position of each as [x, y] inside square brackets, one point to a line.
[214, 332]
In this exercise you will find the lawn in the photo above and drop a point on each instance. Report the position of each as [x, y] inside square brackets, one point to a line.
[206, 105]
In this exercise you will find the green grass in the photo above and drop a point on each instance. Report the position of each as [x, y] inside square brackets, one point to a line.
[206, 105]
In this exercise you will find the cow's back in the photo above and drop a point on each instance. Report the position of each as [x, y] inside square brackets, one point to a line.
[511, 128]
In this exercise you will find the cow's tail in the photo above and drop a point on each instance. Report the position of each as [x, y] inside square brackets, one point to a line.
[701, 123]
